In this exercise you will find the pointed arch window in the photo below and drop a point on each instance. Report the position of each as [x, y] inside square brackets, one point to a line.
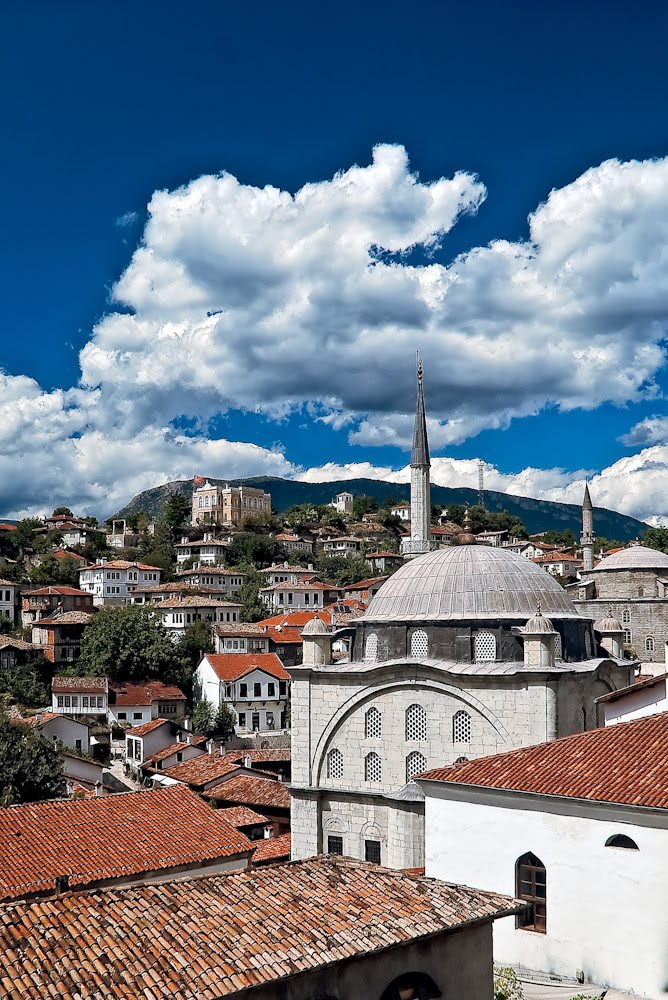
[415, 764]
[484, 646]
[334, 763]
[531, 886]
[371, 648]
[419, 643]
[461, 727]
[626, 617]
[416, 723]
[649, 644]
[373, 724]
[372, 767]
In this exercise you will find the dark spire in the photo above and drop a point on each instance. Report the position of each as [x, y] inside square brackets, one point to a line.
[586, 502]
[420, 452]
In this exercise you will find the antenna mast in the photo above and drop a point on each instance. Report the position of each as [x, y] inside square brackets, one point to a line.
[481, 483]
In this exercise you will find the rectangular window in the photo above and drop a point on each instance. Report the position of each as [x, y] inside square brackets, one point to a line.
[137, 749]
[100, 702]
[242, 718]
[122, 716]
[78, 744]
[228, 690]
[68, 701]
[271, 690]
[136, 715]
[282, 688]
[179, 756]
[335, 845]
[257, 690]
[243, 690]
[372, 851]
[60, 701]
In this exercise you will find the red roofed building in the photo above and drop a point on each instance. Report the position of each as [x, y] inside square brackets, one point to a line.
[60, 634]
[244, 637]
[578, 827]
[139, 703]
[272, 850]
[254, 685]
[113, 581]
[44, 601]
[48, 847]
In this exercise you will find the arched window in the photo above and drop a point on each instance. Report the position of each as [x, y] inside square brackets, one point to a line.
[484, 645]
[531, 886]
[419, 643]
[371, 648]
[461, 760]
[412, 986]
[641, 591]
[415, 764]
[627, 636]
[558, 648]
[649, 644]
[621, 840]
[334, 763]
[588, 645]
[416, 723]
[626, 617]
[372, 767]
[461, 727]
[372, 724]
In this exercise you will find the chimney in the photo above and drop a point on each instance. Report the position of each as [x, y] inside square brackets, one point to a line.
[189, 739]
[285, 565]
[69, 787]
[209, 747]
[266, 833]
[98, 789]
[310, 566]
[222, 749]
[188, 723]
[62, 884]
[38, 717]
[248, 761]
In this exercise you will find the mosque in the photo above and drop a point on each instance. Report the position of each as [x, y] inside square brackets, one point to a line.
[465, 651]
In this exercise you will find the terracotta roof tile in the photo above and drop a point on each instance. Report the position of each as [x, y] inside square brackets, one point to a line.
[232, 666]
[67, 618]
[275, 754]
[217, 936]
[110, 837]
[199, 742]
[295, 619]
[246, 789]
[56, 591]
[196, 601]
[148, 727]
[198, 771]
[272, 849]
[625, 763]
[121, 564]
[243, 816]
[60, 685]
[144, 694]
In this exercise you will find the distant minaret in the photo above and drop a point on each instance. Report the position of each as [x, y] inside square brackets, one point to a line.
[420, 540]
[587, 538]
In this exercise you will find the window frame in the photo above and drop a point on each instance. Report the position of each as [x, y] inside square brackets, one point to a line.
[531, 872]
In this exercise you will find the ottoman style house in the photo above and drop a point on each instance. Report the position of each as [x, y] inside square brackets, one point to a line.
[464, 652]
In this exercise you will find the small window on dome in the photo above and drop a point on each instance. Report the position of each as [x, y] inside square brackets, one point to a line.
[371, 648]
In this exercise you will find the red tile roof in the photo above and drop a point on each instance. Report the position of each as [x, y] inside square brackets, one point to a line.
[198, 771]
[221, 935]
[365, 584]
[272, 849]
[639, 683]
[276, 754]
[9, 640]
[296, 619]
[56, 591]
[246, 789]
[108, 837]
[243, 816]
[121, 564]
[144, 694]
[198, 742]
[66, 618]
[196, 601]
[64, 685]
[148, 727]
[232, 666]
[625, 763]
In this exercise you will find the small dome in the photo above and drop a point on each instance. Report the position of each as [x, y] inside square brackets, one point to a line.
[315, 627]
[538, 624]
[608, 624]
[635, 557]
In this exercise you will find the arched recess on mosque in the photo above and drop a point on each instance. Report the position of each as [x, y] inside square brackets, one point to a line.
[412, 986]
[362, 700]
[419, 644]
[371, 648]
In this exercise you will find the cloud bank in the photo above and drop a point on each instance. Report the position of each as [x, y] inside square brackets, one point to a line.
[252, 298]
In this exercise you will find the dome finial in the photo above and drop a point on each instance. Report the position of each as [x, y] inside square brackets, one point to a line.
[538, 611]
[466, 537]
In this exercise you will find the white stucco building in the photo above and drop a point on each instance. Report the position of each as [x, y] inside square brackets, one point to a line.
[644, 697]
[579, 829]
[8, 600]
[305, 596]
[254, 685]
[114, 581]
[180, 612]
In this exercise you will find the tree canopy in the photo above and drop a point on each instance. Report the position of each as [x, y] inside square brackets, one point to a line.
[31, 767]
[250, 548]
[129, 643]
[656, 538]
[62, 511]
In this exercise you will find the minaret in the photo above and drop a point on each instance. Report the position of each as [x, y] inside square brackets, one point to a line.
[587, 538]
[420, 540]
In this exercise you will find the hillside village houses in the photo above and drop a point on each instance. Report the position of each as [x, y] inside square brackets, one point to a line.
[113, 581]
[180, 612]
[227, 505]
[60, 635]
[254, 685]
[8, 600]
[43, 602]
[206, 552]
[343, 502]
[300, 596]
[229, 581]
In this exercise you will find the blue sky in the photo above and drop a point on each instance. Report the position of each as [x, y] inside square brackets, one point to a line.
[105, 104]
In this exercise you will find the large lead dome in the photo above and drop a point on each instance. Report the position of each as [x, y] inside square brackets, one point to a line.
[469, 582]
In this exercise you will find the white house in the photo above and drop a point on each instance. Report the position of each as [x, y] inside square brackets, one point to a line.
[254, 685]
[285, 573]
[80, 696]
[530, 550]
[228, 580]
[62, 729]
[113, 581]
[559, 563]
[343, 502]
[207, 551]
[295, 596]
[180, 612]
[140, 703]
[645, 697]
[142, 742]
[402, 511]
[578, 828]
[347, 545]
[294, 543]
[8, 600]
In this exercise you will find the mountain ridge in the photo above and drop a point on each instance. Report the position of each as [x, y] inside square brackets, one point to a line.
[537, 515]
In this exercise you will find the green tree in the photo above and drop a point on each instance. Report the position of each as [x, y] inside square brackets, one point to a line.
[65, 511]
[191, 647]
[158, 549]
[24, 535]
[177, 511]
[364, 505]
[506, 985]
[129, 643]
[224, 722]
[31, 767]
[257, 550]
[47, 572]
[656, 538]
[248, 596]
[342, 570]
[68, 571]
[204, 717]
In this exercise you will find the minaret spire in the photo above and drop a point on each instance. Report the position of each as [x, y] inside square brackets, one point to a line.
[420, 540]
[587, 537]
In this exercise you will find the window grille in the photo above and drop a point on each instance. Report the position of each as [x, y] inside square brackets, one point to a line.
[372, 724]
[627, 636]
[588, 652]
[372, 767]
[649, 644]
[626, 617]
[416, 723]
[531, 886]
[335, 845]
[419, 643]
[415, 763]
[372, 851]
[484, 646]
[371, 648]
[334, 763]
[461, 727]
[558, 648]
